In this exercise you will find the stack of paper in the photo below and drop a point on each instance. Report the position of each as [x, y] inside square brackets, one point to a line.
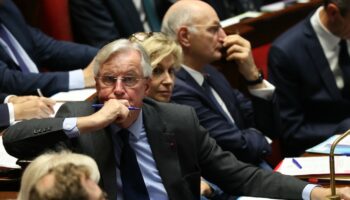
[342, 148]
[6, 160]
[317, 165]
[74, 95]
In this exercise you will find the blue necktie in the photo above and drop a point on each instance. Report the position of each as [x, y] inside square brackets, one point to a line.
[344, 65]
[206, 87]
[4, 35]
[133, 184]
[152, 18]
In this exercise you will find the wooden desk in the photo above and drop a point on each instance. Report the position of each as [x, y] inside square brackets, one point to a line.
[264, 29]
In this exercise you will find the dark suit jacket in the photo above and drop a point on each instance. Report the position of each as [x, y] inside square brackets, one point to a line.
[311, 105]
[98, 22]
[182, 150]
[241, 138]
[4, 116]
[44, 51]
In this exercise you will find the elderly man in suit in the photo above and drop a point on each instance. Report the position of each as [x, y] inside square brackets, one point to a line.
[26, 51]
[309, 67]
[225, 112]
[157, 152]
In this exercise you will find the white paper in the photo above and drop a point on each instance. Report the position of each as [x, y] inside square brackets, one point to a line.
[7, 160]
[254, 198]
[314, 166]
[343, 147]
[74, 95]
[236, 19]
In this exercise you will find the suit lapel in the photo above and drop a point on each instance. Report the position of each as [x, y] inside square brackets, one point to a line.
[104, 155]
[188, 80]
[163, 146]
[316, 53]
[225, 93]
[11, 18]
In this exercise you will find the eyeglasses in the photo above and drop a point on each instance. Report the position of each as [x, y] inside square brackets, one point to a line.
[128, 81]
[213, 29]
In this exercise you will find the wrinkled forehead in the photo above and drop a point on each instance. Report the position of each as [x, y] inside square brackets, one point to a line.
[122, 62]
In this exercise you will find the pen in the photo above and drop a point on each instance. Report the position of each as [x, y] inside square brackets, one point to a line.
[296, 163]
[129, 107]
[39, 92]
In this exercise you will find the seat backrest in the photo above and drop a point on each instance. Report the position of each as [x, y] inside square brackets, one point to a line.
[55, 20]
[260, 55]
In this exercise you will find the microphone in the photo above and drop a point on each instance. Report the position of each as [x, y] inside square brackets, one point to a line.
[333, 195]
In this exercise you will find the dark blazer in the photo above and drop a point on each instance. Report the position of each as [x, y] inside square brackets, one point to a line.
[4, 116]
[182, 153]
[241, 138]
[311, 105]
[98, 22]
[44, 51]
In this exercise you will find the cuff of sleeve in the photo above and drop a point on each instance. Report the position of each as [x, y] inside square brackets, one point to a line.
[11, 113]
[70, 127]
[76, 79]
[7, 98]
[264, 93]
[307, 191]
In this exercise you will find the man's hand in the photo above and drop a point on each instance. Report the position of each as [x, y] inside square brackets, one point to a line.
[21, 99]
[205, 189]
[319, 193]
[89, 78]
[239, 50]
[113, 110]
[38, 107]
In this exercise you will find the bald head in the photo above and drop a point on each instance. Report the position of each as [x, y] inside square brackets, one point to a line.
[186, 13]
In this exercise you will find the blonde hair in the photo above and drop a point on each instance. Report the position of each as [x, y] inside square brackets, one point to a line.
[158, 46]
[44, 163]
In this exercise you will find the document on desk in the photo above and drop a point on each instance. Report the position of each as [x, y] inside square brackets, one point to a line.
[236, 19]
[7, 160]
[343, 146]
[74, 95]
[253, 198]
[317, 165]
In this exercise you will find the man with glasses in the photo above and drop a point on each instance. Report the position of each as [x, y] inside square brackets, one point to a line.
[159, 152]
[222, 110]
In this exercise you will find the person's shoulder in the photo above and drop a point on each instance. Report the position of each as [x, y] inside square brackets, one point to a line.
[293, 35]
[166, 108]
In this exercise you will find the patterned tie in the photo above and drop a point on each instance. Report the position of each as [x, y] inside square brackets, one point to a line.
[4, 36]
[152, 18]
[207, 88]
[133, 183]
[344, 64]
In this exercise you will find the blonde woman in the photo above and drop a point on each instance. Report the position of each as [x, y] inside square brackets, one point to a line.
[54, 175]
[166, 56]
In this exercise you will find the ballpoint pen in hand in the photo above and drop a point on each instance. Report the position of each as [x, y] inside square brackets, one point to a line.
[129, 107]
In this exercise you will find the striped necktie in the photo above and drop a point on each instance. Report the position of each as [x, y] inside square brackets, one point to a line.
[6, 38]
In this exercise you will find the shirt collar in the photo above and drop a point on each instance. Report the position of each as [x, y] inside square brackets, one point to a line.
[135, 128]
[328, 40]
[196, 75]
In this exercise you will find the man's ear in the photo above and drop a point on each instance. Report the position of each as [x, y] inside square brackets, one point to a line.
[184, 36]
[332, 11]
[147, 86]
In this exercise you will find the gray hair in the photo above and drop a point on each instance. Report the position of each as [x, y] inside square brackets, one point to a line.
[180, 17]
[343, 5]
[119, 46]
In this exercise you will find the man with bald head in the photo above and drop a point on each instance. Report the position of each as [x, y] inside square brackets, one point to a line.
[222, 110]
